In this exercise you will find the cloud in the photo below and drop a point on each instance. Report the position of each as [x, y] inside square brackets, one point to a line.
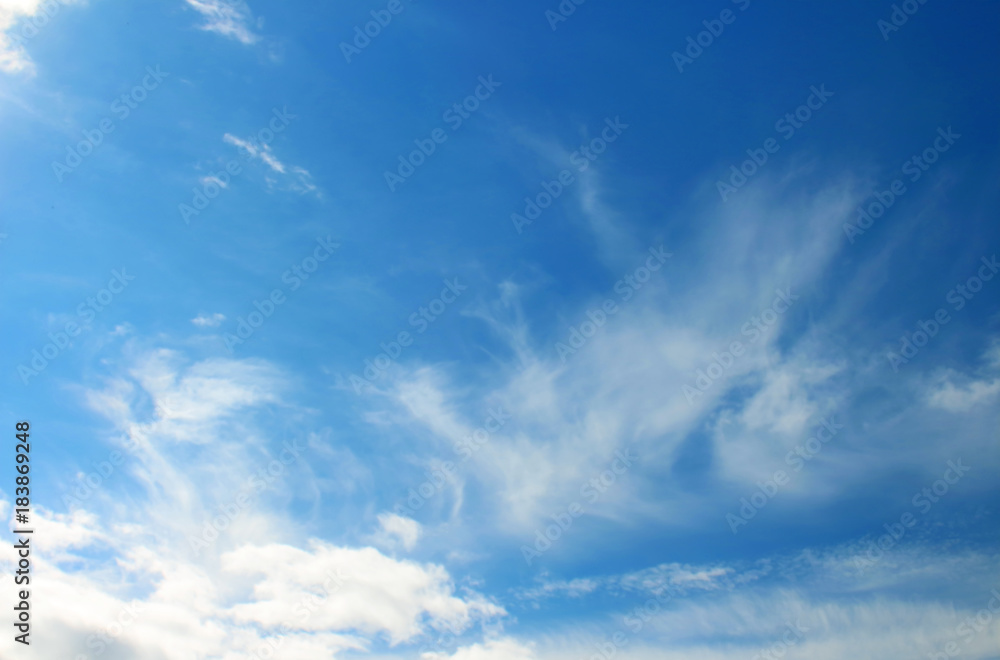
[255, 150]
[374, 593]
[118, 570]
[20, 22]
[718, 612]
[298, 179]
[495, 649]
[230, 18]
[952, 398]
[623, 388]
[969, 392]
[209, 321]
[396, 530]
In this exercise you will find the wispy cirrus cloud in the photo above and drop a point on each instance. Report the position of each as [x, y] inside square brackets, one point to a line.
[230, 18]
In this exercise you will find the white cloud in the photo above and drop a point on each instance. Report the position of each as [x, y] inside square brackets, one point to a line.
[20, 22]
[953, 398]
[396, 530]
[957, 392]
[213, 179]
[230, 18]
[255, 150]
[376, 594]
[298, 179]
[494, 649]
[209, 320]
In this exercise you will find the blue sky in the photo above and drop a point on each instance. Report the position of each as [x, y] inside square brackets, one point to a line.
[495, 336]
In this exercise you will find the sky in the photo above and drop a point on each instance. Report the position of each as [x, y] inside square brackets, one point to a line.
[502, 331]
